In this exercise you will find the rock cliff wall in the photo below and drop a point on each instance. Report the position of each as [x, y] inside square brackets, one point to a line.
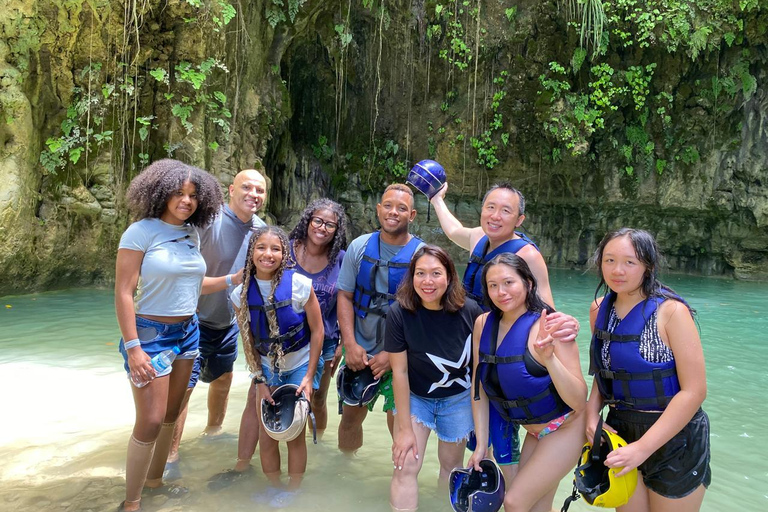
[663, 127]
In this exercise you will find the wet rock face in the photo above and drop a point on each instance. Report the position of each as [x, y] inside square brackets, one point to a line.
[331, 105]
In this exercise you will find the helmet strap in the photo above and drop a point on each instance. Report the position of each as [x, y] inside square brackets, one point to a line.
[570, 499]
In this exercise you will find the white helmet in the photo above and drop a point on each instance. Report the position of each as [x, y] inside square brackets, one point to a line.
[285, 420]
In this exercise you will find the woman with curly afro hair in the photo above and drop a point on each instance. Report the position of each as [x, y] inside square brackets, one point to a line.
[317, 247]
[159, 276]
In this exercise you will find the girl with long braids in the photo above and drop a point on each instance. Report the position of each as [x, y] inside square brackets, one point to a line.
[317, 248]
[282, 331]
[159, 275]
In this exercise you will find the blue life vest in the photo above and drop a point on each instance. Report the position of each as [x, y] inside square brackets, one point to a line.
[521, 389]
[472, 276]
[631, 382]
[294, 330]
[365, 286]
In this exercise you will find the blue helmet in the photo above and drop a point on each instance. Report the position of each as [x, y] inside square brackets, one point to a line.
[473, 491]
[427, 177]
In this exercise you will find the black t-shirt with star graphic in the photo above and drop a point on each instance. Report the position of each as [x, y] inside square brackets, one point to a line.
[439, 346]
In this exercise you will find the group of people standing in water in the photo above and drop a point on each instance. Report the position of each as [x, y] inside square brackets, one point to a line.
[471, 360]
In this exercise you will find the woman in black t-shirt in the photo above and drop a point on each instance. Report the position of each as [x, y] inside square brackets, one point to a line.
[429, 338]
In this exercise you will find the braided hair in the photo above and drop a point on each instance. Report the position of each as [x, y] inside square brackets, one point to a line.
[244, 315]
[339, 240]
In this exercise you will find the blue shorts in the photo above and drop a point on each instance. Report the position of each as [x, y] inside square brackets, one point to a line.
[294, 376]
[329, 349]
[449, 417]
[218, 351]
[503, 437]
[156, 337]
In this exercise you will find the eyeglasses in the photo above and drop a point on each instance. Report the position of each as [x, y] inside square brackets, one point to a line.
[329, 226]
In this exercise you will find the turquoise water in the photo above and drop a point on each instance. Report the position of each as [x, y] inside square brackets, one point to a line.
[67, 411]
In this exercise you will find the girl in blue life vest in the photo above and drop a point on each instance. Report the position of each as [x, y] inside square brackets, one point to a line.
[648, 365]
[524, 370]
[282, 330]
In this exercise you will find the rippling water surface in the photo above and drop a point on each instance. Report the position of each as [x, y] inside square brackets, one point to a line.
[67, 411]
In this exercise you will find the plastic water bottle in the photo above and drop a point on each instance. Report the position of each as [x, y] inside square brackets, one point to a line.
[160, 362]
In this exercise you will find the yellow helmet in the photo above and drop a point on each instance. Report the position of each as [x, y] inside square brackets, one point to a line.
[595, 481]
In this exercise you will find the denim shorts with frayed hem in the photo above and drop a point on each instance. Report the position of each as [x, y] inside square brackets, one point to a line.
[218, 351]
[450, 417]
[156, 337]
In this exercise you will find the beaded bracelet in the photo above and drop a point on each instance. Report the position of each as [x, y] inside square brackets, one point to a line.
[132, 343]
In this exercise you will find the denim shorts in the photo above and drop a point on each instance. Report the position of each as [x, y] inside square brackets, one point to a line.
[449, 417]
[294, 376]
[329, 349]
[156, 337]
[681, 465]
[503, 437]
[218, 351]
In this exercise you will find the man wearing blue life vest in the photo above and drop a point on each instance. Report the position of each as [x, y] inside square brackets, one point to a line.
[503, 211]
[372, 269]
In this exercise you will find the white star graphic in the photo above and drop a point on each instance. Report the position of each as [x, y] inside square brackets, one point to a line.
[441, 365]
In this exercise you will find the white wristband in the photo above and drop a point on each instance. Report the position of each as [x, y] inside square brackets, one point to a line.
[229, 279]
[132, 343]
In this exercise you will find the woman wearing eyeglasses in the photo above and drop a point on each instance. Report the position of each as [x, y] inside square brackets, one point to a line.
[317, 247]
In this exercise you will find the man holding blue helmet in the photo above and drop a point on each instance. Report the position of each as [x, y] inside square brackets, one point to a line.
[503, 211]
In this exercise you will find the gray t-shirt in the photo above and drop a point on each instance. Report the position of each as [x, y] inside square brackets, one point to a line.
[367, 328]
[172, 269]
[223, 244]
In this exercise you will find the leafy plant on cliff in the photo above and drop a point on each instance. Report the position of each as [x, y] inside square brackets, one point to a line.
[579, 108]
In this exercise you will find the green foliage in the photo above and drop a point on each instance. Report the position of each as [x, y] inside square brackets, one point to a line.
[322, 150]
[485, 145]
[511, 14]
[345, 37]
[279, 11]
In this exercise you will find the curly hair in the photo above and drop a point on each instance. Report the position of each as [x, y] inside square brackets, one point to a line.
[454, 297]
[533, 302]
[276, 354]
[150, 191]
[339, 240]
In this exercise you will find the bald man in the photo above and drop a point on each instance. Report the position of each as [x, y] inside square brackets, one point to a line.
[223, 244]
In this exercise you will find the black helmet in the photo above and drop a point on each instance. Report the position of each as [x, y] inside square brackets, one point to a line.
[477, 491]
[356, 388]
[285, 420]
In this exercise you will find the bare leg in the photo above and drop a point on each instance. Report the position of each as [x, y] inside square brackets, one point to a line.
[178, 430]
[404, 489]
[250, 428]
[351, 428]
[297, 461]
[319, 399]
[543, 463]
[640, 500]
[690, 503]
[269, 453]
[177, 389]
[218, 397]
[150, 402]
[391, 423]
[450, 456]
